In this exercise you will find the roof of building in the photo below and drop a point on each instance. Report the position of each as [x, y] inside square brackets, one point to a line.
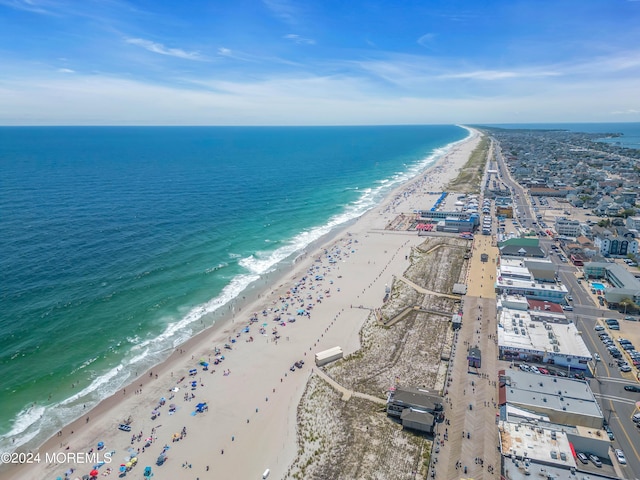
[621, 273]
[416, 397]
[544, 305]
[518, 331]
[535, 443]
[543, 392]
[521, 241]
[415, 416]
[533, 286]
[521, 251]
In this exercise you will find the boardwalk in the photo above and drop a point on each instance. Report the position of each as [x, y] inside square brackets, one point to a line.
[468, 440]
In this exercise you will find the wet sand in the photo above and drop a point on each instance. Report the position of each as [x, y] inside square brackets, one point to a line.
[251, 395]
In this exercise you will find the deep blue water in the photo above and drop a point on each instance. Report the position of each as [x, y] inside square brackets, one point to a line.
[115, 243]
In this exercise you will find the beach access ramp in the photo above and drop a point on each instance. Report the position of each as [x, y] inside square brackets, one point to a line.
[328, 356]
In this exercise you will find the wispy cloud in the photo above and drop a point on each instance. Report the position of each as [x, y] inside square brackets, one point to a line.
[282, 9]
[426, 39]
[162, 50]
[630, 111]
[299, 40]
[43, 7]
[66, 70]
[490, 75]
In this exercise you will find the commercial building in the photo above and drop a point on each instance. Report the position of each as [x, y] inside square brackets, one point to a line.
[418, 409]
[531, 289]
[522, 338]
[564, 401]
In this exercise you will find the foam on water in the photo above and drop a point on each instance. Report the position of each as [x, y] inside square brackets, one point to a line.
[41, 421]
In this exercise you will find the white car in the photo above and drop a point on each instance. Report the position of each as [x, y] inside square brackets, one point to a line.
[534, 369]
[596, 357]
[620, 456]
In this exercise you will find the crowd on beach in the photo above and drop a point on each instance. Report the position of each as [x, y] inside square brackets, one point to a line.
[286, 309]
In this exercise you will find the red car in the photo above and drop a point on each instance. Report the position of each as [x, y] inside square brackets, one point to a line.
[543, 371]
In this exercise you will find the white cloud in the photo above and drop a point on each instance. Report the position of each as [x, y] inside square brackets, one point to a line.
[629, 111]
[42, 7]
[66, 70]
[162, 50]
[426, 39]
[282, 9]
[299, 40]
[500, 75]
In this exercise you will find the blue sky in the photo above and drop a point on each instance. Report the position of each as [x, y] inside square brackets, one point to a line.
[283, 62]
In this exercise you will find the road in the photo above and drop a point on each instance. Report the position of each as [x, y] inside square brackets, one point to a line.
[608, 383]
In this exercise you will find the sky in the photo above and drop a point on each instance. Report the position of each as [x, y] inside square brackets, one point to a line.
[321, 62]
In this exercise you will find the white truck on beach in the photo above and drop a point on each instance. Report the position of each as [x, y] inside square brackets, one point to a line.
[328, 356]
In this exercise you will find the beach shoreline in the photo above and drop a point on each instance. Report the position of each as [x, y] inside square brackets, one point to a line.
[252, 409]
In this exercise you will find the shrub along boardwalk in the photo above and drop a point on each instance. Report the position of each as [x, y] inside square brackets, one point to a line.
[466, 444]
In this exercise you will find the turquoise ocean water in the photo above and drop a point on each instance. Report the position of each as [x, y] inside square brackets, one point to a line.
[117, 243]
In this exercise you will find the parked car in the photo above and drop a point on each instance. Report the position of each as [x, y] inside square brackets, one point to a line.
[625, 368]
[620, 456]
[632, 388]
[595, 460]
[607, 429]
[582, 457]
[599, 328]
[596, 357]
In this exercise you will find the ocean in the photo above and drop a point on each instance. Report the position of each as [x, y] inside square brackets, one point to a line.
[117, 244]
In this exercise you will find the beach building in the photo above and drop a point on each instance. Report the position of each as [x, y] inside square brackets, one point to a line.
[563, 401]
[457, 225]
[521, 247]
[535, 446]
[513, 280]
[328, 356]
[418, 408]
[542, 269]
[417, 420]
[522, 338]
[567, 228]
[474, 358]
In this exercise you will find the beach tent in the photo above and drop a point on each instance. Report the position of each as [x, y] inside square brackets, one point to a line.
[147, 472]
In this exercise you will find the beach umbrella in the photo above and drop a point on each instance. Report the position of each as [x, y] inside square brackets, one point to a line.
[123, 468]
[173, 405]
[100, 445]
[94, 473]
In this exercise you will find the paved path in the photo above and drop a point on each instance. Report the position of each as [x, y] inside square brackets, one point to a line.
[424, 290]
[346, 393]
[469, 437]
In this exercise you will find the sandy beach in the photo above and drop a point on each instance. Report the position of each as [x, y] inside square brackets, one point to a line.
[251, 395]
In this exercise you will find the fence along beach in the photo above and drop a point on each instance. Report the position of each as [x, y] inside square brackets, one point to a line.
[251, 395]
